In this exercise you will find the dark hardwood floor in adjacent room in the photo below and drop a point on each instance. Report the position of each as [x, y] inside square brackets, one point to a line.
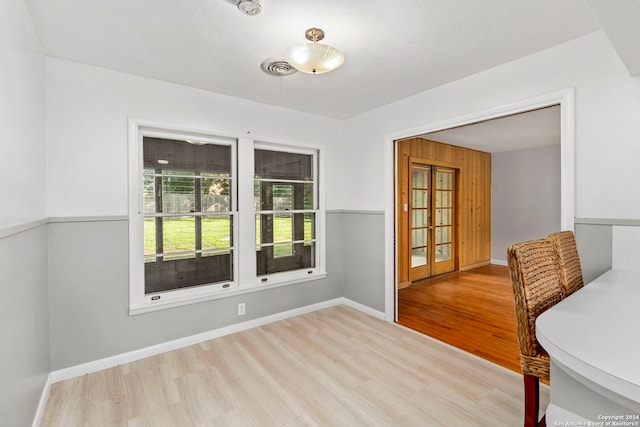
[472, 310]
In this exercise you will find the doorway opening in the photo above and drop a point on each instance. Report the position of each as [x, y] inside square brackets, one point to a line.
[490, 284]
[566, 101]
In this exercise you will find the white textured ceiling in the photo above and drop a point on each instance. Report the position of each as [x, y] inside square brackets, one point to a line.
[620, 21]
[538, 128]
[393, 48]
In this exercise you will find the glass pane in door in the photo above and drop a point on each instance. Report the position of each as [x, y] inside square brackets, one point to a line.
[443, 198]
[419, 237]
[419, 178]
[420, 199]
[443, 252]
[418, 257]
[444, 180]
[420, 217]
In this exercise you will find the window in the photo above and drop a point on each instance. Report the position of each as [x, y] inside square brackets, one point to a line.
[285, 210]
[213, 216]
[188, 217]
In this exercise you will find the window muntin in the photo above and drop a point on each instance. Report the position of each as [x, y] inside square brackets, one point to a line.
[188, 218]
[285, 200]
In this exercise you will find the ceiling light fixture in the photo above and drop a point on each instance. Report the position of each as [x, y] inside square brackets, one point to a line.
[314, 58]
[249, 7]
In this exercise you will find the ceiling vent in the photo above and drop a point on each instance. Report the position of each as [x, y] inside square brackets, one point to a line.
[277, 67]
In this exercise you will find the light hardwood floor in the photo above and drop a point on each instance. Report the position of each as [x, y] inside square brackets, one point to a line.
[332, 367]
[473, 310]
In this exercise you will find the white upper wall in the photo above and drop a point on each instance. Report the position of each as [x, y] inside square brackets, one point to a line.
[607, 125]
[87, 113]
[22, 117]
[525, 197]
[88, 108]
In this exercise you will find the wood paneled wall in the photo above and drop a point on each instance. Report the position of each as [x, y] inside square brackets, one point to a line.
[473, 201]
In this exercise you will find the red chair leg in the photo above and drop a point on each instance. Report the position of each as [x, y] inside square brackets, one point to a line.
[531, 400]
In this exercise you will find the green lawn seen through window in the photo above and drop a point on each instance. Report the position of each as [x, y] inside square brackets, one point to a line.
[179, 234]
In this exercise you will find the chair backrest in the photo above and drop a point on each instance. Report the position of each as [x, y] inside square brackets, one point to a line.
[564, 244]
[536, 287]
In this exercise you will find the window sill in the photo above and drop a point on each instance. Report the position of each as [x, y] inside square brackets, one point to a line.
[274, 281]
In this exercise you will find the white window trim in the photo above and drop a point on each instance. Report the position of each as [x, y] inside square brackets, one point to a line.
[244, 234]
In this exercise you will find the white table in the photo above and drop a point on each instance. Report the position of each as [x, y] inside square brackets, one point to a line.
[593, 340]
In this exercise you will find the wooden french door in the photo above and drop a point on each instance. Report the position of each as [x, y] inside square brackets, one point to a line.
[431, 217]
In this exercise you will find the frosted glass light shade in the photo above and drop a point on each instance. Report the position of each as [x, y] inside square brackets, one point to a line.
[250, 7]
[314, 58]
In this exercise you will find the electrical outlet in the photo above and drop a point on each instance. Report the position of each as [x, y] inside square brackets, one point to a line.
[241, 309]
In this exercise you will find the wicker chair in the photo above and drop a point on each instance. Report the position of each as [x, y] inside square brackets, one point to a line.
[564, 244]
[536, 287]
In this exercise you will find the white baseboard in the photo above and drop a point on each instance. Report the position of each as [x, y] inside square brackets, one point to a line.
[119, 359]
[499, 262]
[42, 405]
[363, 308]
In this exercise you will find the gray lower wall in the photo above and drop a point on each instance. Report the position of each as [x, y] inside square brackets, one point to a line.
[363, 259]
[89, 294]
[594, 242]
[89, 286]
[24, 330]
[525, 197]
